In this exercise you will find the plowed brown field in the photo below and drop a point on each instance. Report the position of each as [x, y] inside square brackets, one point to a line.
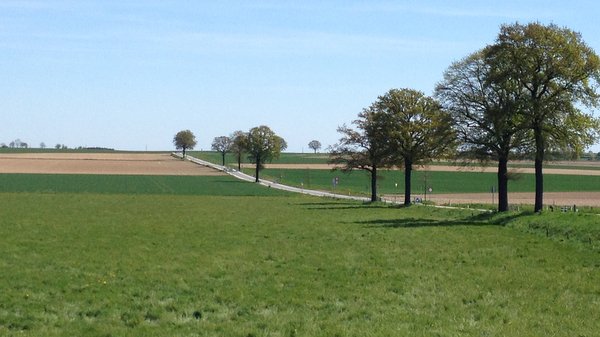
[101, 163]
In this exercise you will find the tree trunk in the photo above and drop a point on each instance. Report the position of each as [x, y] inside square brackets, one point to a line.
[223, 155]
[407, 181]
[257, 168]
[183, 152]
[502, 184]
[374, 183]
[539, 176]
[239, 158]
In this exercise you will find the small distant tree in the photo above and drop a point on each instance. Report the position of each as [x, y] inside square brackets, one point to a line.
[184, 140]
[222, 145]
[315, 145]
[263, 145]
[42, 145]
[239, 140]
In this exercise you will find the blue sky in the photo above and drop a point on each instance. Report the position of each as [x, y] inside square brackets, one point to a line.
[129, 74]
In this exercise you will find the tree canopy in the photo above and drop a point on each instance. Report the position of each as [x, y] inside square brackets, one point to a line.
[239, 140]
[262, 145]
[314, 145]
[222, 144]
[557, 74]
[417, 129]
[363, 148]
[485, 116]
[184, 140]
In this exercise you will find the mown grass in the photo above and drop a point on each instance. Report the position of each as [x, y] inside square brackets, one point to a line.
[130, 184]
[167, 265]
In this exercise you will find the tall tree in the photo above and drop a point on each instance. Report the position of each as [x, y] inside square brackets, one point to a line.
[315, 145]
[558, 73]
[184, 140]
[263, 145]
[418, 129]
[365, 148]
[222, 144]
[485, 116]
[239, 140]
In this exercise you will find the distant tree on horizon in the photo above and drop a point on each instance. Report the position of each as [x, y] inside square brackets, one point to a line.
[315, 145]
[184, 140]
[222, 144]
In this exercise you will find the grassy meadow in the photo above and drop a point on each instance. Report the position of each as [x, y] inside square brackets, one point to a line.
[237, 260]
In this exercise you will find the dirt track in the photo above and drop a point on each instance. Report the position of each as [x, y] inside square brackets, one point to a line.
[100, 163]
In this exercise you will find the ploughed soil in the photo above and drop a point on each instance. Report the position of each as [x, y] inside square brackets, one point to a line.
[101, 163]
[557, 199]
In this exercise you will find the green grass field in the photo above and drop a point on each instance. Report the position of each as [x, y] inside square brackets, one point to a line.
[130, 184]
[163, 265]
[392, 182]
[285, 158]
[151, 256]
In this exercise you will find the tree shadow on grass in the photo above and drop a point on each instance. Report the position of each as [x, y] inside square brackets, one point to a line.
[482, 219]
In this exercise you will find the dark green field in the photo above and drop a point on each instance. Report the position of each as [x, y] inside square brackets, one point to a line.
[285, 158]
[130, 184]
[152, 256]
[392, 182]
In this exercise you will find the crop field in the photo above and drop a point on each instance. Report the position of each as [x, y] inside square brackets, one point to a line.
[130, 184]
[392, 182]
[115, 255]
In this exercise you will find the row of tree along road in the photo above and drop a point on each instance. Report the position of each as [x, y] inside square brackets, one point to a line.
[520, 97]
[261, 145]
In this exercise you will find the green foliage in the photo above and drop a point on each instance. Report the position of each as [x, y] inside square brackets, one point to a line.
[556, 72]
[184, 140]
[263, 145]
[222, 144]
[157, 265]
